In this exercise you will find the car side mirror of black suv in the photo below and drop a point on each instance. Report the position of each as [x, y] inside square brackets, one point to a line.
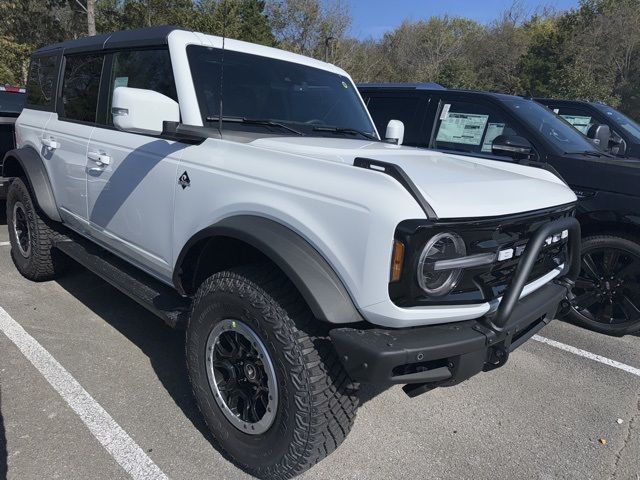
[600, 135]
[513, 146]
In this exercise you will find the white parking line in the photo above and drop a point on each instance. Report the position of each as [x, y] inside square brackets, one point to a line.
[4, 244]
[589, 355]
[112, 437]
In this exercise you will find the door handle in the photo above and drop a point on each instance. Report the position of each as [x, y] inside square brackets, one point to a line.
[99, 158]
[50, 143]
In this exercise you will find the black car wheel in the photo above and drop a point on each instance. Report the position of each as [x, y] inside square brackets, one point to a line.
[32, 236]
[265, 374]
[608, 288]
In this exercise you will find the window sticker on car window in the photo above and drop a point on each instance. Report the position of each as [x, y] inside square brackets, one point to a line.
[493, 130]
[445, 111]
[556, 111]
[120, 82]
[463, 128]
[580, 122]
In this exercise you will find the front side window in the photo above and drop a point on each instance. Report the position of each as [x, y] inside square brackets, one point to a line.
[632, 128]
[555, 130]
[145, 69]
[41, 81]
[579, 118]
[470, 127]
[242, 86]
[80, 86]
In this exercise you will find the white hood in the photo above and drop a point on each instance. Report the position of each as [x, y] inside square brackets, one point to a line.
[455, 186]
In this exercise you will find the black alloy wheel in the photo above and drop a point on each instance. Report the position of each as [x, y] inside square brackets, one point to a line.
[608, 288]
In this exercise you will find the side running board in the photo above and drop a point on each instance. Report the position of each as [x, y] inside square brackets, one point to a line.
[152, 294]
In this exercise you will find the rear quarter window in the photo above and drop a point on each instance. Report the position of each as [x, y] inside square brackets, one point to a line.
[41, 82]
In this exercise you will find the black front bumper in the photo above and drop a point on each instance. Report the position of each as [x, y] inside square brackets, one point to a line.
[444, 355]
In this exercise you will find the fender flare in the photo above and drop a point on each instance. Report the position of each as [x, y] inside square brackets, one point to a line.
[26, 159]
[310, 273]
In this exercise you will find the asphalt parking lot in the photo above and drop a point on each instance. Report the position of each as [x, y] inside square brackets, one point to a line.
[549, 413]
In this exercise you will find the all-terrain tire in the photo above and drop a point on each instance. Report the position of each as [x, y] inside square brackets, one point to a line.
[627, 299]
[36, 258]
[317, 400]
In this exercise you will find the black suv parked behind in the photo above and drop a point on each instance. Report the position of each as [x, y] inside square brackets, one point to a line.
[514, 129]
[587, 116]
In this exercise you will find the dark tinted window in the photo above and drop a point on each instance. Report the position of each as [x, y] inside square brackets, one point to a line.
[41, 81]
[580, 118]
[11, 102]
[470, 127]
[80, 87]
[549, 126]
[405, 109]
[625, 123]
[146, 69]
[256, 87]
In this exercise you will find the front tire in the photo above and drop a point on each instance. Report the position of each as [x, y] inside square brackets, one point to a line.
[310, 402]
[608, 288]
[32, 236]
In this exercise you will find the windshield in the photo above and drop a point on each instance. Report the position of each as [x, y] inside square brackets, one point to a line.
[552, 128]
[631, 127]
[304, 98]
[11, 102]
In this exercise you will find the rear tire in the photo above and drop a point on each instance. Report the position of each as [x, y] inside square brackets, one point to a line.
[608, 288]
[315, 400]
[32, 236]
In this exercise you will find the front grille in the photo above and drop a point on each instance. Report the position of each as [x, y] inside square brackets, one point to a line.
[484, 283]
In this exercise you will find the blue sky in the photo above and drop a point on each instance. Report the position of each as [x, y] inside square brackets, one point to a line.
[371, 18]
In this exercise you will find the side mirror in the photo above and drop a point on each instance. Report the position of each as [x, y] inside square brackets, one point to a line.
[511, 145]
[142, 111]
[600, 134]
[395, 132]
[617, 146]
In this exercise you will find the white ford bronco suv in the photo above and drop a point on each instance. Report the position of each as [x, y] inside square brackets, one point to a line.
[243, 192]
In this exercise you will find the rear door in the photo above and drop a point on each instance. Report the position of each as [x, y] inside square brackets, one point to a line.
[130, 198]
[42, 80]
[67, 134]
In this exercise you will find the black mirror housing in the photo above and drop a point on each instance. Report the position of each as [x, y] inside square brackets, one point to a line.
[512, 145]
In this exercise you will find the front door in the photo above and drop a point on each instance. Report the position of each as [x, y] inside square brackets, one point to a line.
[131, 178]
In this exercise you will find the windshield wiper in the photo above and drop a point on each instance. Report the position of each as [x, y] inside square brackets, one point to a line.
[591, 153]
[351, 131]
[254, 121]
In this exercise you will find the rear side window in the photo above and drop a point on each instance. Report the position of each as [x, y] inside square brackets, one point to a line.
[405, 109]
[146, 69]
[80, 87]
[41, 81]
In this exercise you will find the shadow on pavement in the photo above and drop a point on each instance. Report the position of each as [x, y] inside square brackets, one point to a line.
[3, 212]
[3, 445]
[163, 345]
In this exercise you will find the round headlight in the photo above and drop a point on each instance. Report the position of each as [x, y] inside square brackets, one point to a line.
[443, 246]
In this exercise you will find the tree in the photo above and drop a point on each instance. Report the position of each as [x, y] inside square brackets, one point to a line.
[305, 26]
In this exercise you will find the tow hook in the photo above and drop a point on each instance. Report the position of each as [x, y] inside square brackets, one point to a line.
[569, 300]
[497, 358]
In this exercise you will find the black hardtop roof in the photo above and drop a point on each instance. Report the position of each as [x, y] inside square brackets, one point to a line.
[140, 37]
[427, 87]
[568, 101]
